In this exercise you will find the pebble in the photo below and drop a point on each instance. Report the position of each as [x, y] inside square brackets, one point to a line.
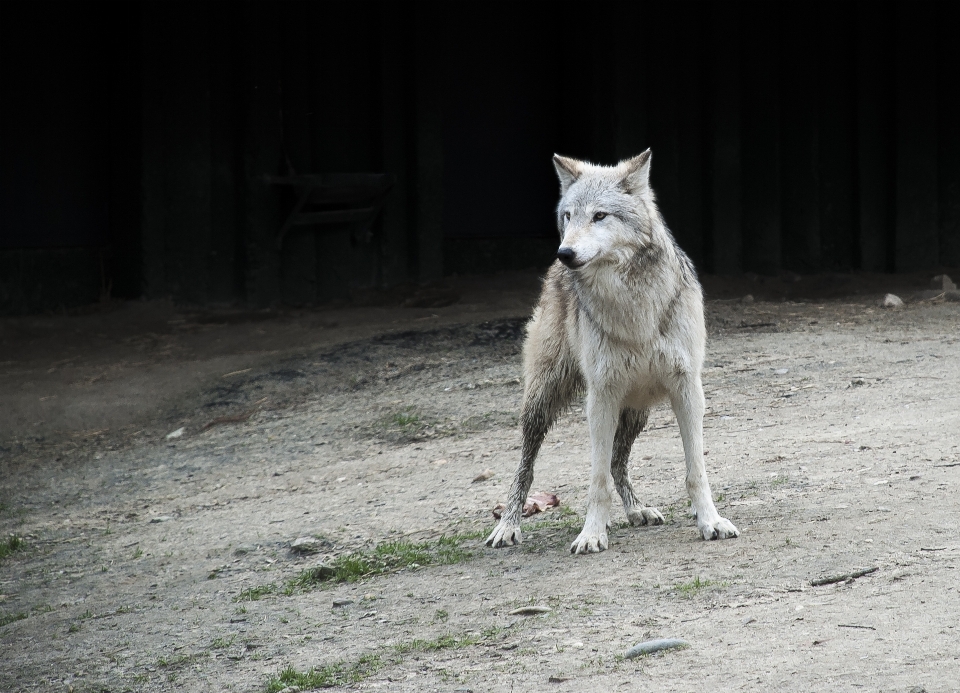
[651, 646]
[891, 301]
[340, 603]
[530, 610]
[942, 282]
[162, 518]
[483, 476]
[175, 434]
[306, 545]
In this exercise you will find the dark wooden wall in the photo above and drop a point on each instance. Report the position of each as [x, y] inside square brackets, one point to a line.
[136, 137]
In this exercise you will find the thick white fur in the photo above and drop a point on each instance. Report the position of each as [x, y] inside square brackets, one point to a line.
[627, 313]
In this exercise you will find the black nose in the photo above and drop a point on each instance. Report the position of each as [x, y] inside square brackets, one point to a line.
[566, 256]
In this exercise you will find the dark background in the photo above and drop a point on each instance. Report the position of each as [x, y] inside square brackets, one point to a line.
[136, 136]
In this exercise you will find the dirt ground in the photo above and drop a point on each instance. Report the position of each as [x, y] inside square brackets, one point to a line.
[150, 563]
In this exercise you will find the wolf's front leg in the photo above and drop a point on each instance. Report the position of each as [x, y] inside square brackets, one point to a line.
[687, 403]
[602, 413]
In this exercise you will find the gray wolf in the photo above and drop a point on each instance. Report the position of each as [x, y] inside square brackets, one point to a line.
[620, 318]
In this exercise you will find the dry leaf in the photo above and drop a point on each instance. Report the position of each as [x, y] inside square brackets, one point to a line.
[536, 503]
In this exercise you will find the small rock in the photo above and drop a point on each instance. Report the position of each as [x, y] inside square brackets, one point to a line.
[306, 545]
[856, 382]
[781, 371]
[748, 620]
[651, 646]
[942, 283]
[162, 518]
[748, 299]
[891, 301]
[175, 434]
[340, 603]
[483, 476]
[558, 679]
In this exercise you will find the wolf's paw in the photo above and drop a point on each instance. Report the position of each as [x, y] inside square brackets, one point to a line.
[644, 516]
[590, 542]
[504, 535]
[718, 529]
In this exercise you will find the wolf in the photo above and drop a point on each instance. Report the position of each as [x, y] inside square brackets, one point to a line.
[620, 318]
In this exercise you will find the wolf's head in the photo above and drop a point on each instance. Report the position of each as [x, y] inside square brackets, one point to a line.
[606, 212]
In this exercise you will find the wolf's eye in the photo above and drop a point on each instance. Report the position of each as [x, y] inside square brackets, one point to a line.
[566, 216]
[599, 216]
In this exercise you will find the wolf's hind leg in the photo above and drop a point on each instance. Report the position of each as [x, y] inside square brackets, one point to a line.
[631, 423]
[547, 395]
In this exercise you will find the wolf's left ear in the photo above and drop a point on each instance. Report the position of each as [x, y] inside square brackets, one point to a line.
[637, 173]
[568, 170]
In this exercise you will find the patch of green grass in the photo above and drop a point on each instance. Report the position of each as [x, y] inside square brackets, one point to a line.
[444, 642]
[74, 628]
[695, 586]
[179, 660]
[138, 553]
[344, 673]
[252, 594]
[6, 619]
[223, 643]
[441, 615]
[406, 418]
[387, 557]
[11, 545]
[337, 674]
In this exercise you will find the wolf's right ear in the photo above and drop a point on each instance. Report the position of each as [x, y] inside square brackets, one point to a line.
[568, 170]
[637, 176]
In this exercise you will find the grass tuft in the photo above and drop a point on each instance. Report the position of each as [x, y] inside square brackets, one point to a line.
[11, 545]
[695, 586]
[6, 619]
[337, 674]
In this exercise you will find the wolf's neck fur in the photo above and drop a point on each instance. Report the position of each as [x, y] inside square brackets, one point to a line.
[617, 297]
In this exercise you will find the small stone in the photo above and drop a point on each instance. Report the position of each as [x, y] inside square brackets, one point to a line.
[891, 301]
[306, 545]
[175, 434]
[651, 646]
[340, 603]
[162, 518]
[483, 476]
[748, 620]
[530, 610]
[748, 299]
[942, 283]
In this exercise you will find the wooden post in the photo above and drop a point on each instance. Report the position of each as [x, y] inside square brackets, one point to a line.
[428, 108]
[761, 141]
[262, 152]
[875, 135]
[799, 138]
[395, 95]
[948, 131]
[917, 241]
[725, 177]
[838, 187]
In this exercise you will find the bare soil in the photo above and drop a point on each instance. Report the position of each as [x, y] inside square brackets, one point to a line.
[834, 445]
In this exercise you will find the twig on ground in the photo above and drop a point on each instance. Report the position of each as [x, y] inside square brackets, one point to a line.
[854, 625]
[846, 576]
[237, 418]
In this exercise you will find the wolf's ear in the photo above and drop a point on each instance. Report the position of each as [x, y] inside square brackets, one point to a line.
[636, 177]
[568, 170]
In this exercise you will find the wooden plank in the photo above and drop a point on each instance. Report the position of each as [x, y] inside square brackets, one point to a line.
[917, 238]
[761, 141]
[725, 175]
[800, 173]
[875, 135]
